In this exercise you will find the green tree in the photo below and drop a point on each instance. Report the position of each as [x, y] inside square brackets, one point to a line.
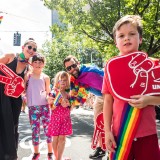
[55, 52]
[94, 20]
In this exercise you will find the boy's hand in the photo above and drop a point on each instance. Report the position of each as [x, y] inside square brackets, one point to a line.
[139, 101]
[110, 142]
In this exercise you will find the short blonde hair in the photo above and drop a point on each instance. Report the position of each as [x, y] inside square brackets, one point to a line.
[58, 77]
[133, 19]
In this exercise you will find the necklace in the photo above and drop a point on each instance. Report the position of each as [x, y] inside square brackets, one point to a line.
[23, 59]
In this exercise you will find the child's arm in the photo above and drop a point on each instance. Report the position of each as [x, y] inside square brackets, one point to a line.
[107, 114]
[26, 77]
[47, 84]
[141, 101]
[49, 97]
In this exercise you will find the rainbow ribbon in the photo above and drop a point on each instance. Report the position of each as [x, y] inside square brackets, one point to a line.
[129, 124]
[57, 98]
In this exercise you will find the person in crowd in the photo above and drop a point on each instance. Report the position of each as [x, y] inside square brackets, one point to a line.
[143, 144]
[60, 125]
[85, 79]
[10, 107]
[52, 83]
[37, 88]
[24, 103]
[90, 101]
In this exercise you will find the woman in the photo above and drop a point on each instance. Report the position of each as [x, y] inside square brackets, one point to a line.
[10, 107]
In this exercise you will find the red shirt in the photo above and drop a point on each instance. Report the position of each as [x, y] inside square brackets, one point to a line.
[147, 124]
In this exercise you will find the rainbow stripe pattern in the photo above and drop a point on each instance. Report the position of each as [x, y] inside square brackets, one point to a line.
[129, 123]
[1, 17]
[57, 98]
[90, 79]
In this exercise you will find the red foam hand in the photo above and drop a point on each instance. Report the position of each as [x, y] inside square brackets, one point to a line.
[99, 133]
[14, 84]
[133, 74]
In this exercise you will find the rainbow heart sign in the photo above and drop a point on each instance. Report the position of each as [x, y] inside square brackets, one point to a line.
[133, 74]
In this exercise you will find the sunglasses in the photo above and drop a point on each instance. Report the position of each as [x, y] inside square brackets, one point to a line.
[34, 49]
[71, 66]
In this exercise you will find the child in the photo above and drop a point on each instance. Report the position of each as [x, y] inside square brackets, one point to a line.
[24, 103]
[37, 87]
[127, 34]
[60, 124]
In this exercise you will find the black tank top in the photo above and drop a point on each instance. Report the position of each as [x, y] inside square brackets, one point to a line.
[13, 65]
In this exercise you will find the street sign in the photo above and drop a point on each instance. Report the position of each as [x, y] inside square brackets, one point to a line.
[17, 39]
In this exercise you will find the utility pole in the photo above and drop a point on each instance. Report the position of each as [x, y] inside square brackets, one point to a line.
[52, 20]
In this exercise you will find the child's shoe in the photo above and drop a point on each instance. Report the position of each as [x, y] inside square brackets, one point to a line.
[50, 156]
[36, 156]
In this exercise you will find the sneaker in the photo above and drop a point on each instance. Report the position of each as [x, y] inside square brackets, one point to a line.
[50, 156]
[36, 156]
[97, 153]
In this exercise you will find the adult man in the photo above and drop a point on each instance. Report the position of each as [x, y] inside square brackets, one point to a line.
[85, 79]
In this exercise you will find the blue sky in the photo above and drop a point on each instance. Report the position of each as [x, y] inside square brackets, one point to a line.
[30, 18]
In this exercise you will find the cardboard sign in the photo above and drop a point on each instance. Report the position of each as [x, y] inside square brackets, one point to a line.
[133, 74]
[14, 84]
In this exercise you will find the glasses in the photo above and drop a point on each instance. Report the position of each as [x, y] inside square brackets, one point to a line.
[71, 66]
[62, 81]
[34, 49]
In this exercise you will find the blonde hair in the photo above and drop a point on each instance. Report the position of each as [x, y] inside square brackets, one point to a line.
[58, 77]
[133, 19]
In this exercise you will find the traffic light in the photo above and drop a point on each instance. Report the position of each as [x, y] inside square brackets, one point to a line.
[17, 39]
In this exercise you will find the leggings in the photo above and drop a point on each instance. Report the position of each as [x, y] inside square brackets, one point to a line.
[37, 113]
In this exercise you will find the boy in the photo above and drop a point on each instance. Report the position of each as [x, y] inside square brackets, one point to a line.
[127, 34]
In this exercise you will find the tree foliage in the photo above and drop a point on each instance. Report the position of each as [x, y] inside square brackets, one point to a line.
[55, 53]
[94, 20]
[57, 50]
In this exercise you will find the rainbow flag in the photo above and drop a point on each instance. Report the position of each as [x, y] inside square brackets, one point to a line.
[57, 98]
[1, 17]
[129, 124]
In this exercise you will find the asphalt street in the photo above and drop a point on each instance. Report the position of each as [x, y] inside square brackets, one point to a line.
[78, 146]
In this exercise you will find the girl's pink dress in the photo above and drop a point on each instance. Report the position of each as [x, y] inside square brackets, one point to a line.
[60, 123]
